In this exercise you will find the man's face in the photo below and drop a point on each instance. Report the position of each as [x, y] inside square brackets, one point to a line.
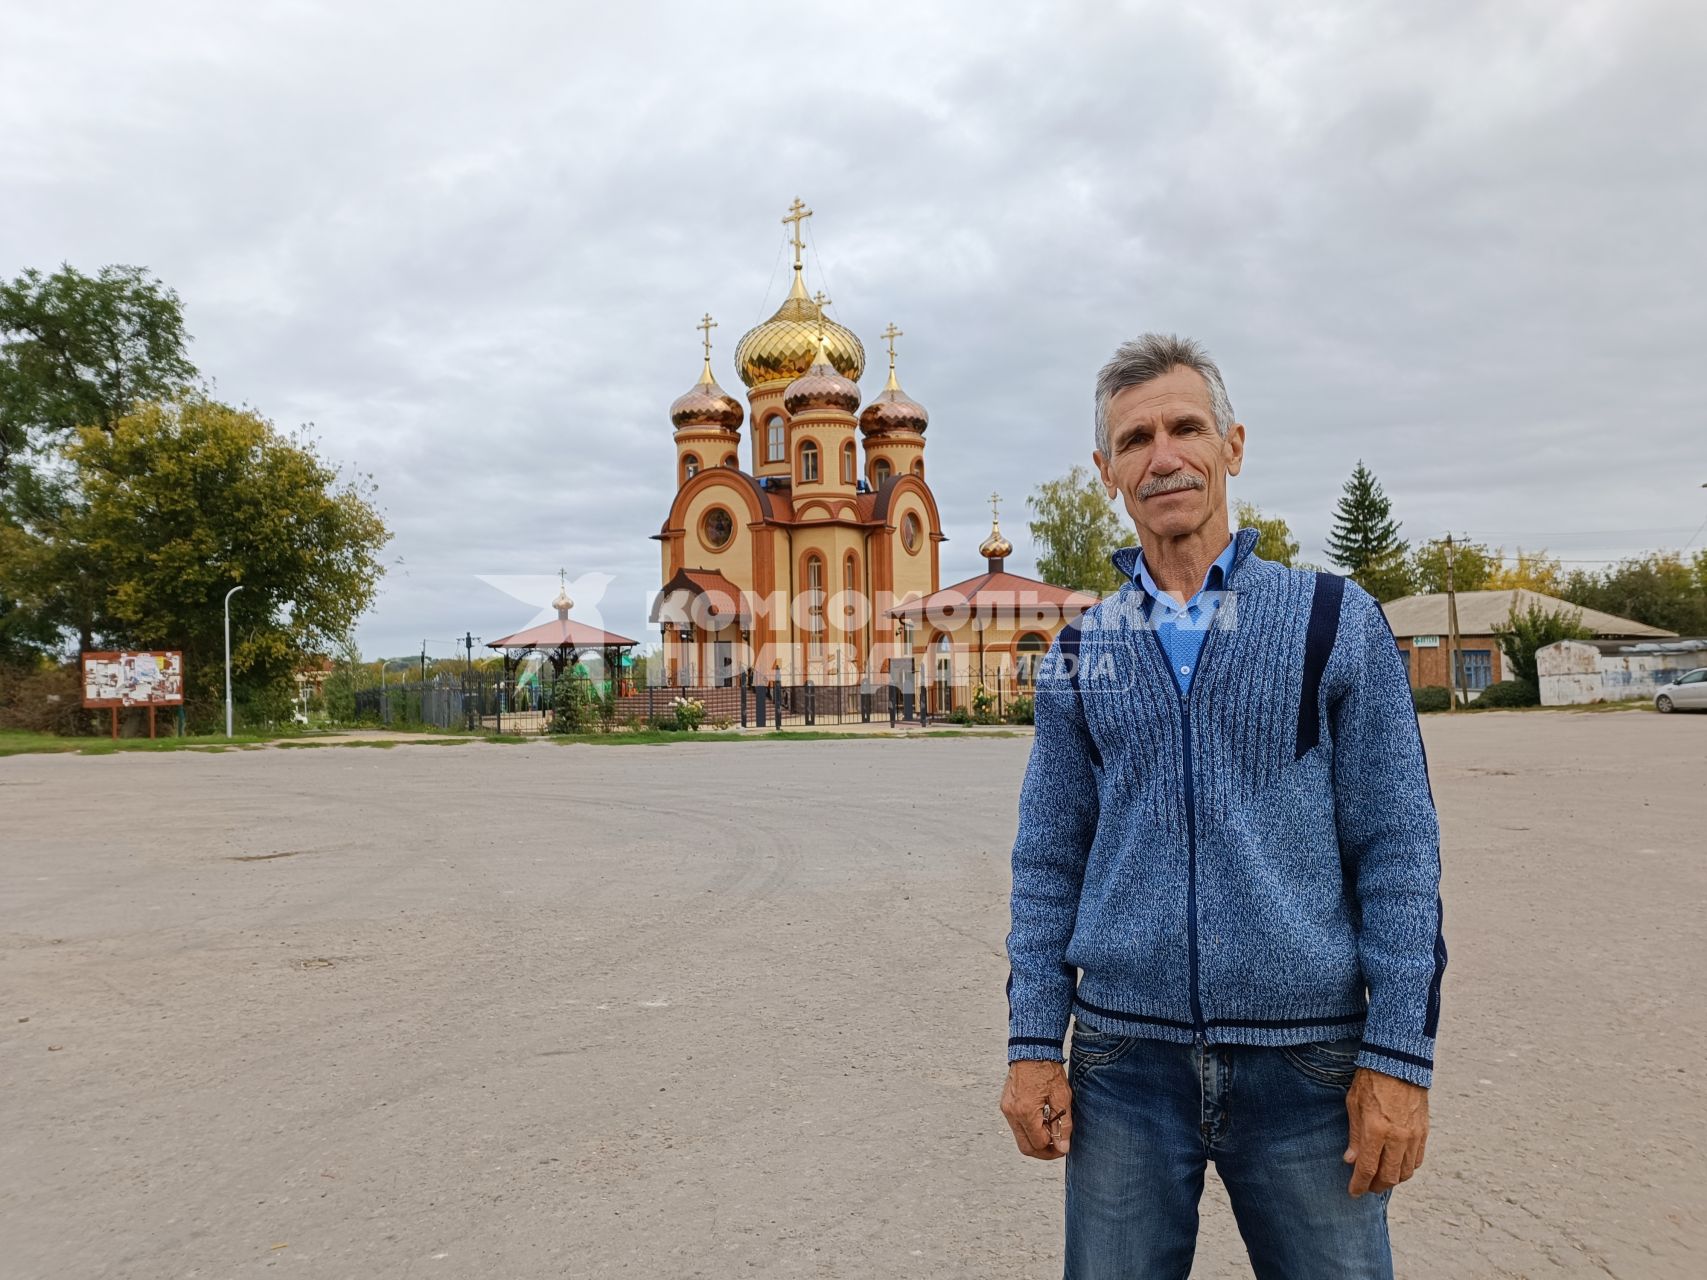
[1166, 459]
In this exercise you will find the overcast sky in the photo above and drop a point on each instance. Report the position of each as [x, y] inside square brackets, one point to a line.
[470, 244]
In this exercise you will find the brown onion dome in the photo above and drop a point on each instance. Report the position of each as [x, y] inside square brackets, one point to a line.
[707, 405]
[892, 411]
[821, 387]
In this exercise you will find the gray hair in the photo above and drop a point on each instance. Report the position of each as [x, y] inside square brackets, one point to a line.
[1148, 357]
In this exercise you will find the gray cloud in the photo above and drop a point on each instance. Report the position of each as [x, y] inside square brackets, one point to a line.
[471, 248]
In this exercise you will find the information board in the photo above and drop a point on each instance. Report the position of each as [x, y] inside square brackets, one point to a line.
[150, 679]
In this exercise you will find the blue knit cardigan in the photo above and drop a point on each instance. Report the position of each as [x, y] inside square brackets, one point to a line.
[1256, 861]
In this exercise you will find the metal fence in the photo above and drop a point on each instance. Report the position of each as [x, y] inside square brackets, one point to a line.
[482, 700]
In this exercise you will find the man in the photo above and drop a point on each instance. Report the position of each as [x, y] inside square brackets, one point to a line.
[1227, 874]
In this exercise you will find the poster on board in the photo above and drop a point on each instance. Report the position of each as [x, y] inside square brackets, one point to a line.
[145, 679]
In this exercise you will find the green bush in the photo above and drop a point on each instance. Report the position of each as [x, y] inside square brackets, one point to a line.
[1022, 711]
[960, 715]
[1431, 697]
[571, 706]
[1509, 693]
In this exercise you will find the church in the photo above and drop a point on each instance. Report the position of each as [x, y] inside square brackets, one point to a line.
[811, 551]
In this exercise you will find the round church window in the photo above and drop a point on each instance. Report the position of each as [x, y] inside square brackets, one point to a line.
[910, 532]
[717, 528]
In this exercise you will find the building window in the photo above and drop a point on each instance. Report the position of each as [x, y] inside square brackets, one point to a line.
[919, 468]
[1028, 652]
[773, 438]
[815, 604]
[690, 466]
[879, 472]
[808, 463]
[849, 466]
[730, 460]
[717, 528]
[1475, 669]
[944, 676]
[911, 533]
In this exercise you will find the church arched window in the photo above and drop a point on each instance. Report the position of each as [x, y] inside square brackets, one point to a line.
[808, 462]
[730, 460]
[774, 438]
[815, 604]
[1028, 652]
[849, 464]
[690, 466]
[880, 471]
[919, 468]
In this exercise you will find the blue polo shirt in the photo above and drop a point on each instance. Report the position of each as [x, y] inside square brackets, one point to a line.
[1182, 628]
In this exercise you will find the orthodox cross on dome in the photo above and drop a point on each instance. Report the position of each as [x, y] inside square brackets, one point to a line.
[995, 499]
[822, 300]
[707, 325]
[889, 335]
[797, 214]
[563, 603]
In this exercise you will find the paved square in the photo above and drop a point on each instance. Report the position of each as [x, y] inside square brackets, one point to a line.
[712, 1010]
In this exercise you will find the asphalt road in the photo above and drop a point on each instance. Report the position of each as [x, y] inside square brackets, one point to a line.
[731, 1010]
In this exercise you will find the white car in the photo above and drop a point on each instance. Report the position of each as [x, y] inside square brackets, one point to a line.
[1686, 693]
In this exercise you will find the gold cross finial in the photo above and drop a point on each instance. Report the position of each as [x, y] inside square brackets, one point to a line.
[822, 299]
[995, 498]
[797, 214]
[707, 324]
[889, 335]
[563, 578]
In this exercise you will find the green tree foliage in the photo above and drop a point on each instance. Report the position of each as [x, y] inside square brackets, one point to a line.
[1076, 530]
[1274, 537]
[79, 351]
[178, 502]
[1661, 589]
[1473, 566]
[1365, 538]
[1534, 628]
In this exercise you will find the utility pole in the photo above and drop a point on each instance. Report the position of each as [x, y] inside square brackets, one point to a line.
[1452, 630]
[423, 662]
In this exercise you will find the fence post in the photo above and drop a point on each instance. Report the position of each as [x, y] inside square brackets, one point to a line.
[776, 702]
[759, 696]
[743, 687]
[894, 697]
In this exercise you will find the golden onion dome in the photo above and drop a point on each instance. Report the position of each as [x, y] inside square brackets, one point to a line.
[893, 411]
[707, 405]
[821, 387]
[995, 547]
[786, 345]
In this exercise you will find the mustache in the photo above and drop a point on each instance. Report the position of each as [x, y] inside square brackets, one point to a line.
[1171, 483]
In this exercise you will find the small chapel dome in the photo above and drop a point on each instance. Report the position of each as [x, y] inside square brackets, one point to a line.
[995, 547]
[707, 405]
[821, 387]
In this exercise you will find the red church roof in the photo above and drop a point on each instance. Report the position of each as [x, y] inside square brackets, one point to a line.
[1000, 593]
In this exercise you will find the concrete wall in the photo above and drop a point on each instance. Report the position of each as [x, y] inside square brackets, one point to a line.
[1572, 672]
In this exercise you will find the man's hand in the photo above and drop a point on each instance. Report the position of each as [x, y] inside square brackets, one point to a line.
[1038, 1105]
[1389, 1130]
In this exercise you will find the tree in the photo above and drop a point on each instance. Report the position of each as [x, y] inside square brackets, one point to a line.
[1274, 538]
[79, 350]
[1076, 531]
[1523, 633]
[177, 503]
[1534, 571]
[1472, 566]
[1365, 538]
[1660, 589]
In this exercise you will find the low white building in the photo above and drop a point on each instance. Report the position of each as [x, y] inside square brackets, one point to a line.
[1578, 671]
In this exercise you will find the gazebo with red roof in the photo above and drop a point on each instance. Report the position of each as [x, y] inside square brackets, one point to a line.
[561, 641]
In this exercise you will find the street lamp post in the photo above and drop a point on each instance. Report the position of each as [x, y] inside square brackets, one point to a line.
[228, 596]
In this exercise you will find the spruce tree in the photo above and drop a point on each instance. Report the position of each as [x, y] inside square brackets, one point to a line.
[1365, 538]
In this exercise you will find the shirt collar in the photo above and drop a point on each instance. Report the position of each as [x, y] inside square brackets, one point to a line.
[1212, 581]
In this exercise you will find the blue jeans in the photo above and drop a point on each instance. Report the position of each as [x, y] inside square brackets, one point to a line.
[1147, 1116]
